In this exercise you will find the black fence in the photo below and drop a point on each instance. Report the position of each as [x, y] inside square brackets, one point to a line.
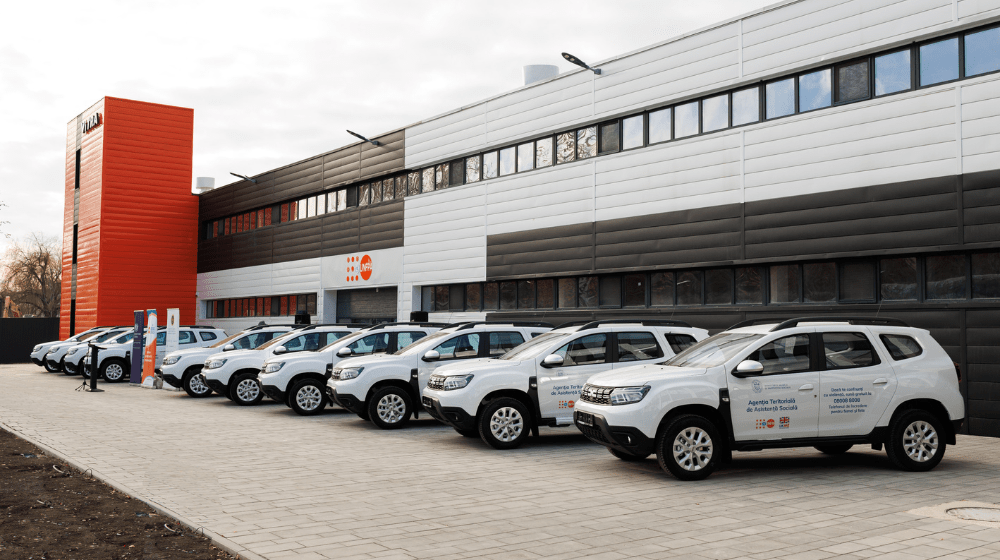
[19, 336]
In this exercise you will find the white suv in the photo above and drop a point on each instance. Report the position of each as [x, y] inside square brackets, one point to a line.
[299, 380]
[181, 367]
[40, 350]
[386, 389]
[53, 359]
[539, 382]
[75, 354]
[824, 382]
[234, 373]
[116, 358]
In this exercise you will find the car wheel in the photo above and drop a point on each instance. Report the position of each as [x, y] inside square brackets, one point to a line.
[689, 447]
[113, 370]
[246, 390]
[390, 408]
[916, 441]
[195, 386]
[66, 370]
[468, 433]
[834, 449]
[307, 397]
[629, 457]
[504, 423]
[48, 368]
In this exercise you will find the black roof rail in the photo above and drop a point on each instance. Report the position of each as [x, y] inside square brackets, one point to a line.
[198, 326]
[472, 324]
[752, 322]
[643, 322]
[412, 324]
[568, 324]
[887, 321]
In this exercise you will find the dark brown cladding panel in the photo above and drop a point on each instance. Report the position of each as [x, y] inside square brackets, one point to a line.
[562, 249]
[297, 240]
[342, 166]
[387, 157]
[381, 226]
[981, 206]
[215, 254]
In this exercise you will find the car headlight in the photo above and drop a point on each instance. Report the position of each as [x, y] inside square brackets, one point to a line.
[453, 382]
[350, 373]
[214, 364]
[272, 367]
[36, 348]
[628, 395]
[171, 360]
[73, 351]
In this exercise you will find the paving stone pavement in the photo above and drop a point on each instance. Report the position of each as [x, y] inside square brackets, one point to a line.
[334, 486]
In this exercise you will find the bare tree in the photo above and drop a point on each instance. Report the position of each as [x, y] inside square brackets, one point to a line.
[3, 223]
[31, 274]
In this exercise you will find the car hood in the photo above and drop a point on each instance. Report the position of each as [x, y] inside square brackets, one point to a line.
[235, 354]
[373, 360]
[296, 357]
[192, 351]
[477, 365]
[642, 374]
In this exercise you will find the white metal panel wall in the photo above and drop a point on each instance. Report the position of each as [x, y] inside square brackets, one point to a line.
[977, 9]
[981, 125]
[556, 196]
[445, 236]
[455, 133]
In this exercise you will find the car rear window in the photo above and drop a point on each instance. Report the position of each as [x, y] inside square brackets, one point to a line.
[206, 336]
[901, 347]
[680, 342]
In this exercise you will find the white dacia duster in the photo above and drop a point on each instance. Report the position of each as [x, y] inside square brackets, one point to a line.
[823, 382]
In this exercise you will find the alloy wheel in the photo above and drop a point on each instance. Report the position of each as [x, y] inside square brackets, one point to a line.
[247, 390]
[197, 385]
[692, 449]
[920, 441]
[506, 424]
[309, 398]
[114, 372]
[391, 408]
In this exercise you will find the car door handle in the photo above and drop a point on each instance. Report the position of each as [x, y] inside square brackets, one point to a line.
[880, 381]
[806, 387]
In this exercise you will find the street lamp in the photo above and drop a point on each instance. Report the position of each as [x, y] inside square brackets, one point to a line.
[581, 63]
[356, 135]
[244, 177]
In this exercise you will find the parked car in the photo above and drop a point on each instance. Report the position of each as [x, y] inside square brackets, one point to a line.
[299, 380]
[57, 352]
[74, 356]
[824, 382]
[181, 368]
[116, 359]
[40, 350]
[234, 373]
[538, 383]
[386, 388]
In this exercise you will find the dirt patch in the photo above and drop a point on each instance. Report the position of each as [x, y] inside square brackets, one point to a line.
[50, 511]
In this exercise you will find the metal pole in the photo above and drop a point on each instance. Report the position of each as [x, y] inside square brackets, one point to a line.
[94, 363]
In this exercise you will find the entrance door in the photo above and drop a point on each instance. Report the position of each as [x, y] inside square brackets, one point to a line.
[855, 387]
[559, 387]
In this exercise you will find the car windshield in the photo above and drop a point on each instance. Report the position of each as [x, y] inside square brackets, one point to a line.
[534, 347]
[124, 338]
[107, 336]
[345, 339]
[226, 340]
[88, 336]
[278, 339]
[713, 351]
[415, 347]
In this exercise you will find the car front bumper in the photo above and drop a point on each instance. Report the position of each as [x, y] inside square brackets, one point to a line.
[344, 400]
[453, 416]
[621, 438]
[274, 392]
[171, 379]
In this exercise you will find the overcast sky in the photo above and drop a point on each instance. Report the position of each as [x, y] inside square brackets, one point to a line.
[276, 82]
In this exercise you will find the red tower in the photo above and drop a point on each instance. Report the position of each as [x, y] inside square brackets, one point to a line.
[131, 222]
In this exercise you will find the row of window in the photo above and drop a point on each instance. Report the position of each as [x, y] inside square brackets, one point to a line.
[927, 278]
[268, 306]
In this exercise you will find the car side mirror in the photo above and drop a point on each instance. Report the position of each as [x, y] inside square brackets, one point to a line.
[431, 356]
[552, 360]
[280, 350]
[228, 347]
[748, 368]
[344, 352]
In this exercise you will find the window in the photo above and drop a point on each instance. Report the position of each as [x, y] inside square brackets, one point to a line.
[207, 335]
[442, 298]
[636, 346]
[901, 347]
[945, 277]
[371, 344]
[491, 167]
[427, 180]
[508, 295]
[473, 297]
[376, 189]
[784, 355]
[401, 186]
[852, 82]
[413, 184]
[610, 138]
[610, 291]
[848, 350]
[587, 292]
[687, 120]
[456, 175]
[985, 275]
[460, 347]
[661, 289]
[746, 106]
[680, 342]
[660, 129]
[365, 193]
[442, 175]
[689, 287]
[715, 111]
[491, 296]
[982, 52]
[503, 342]
[567, 293]
[814, 90]
[472, 169]
[819, 282]
[525, 294]
[591, 349]
[456, 297]
[719, 286]
[749, 286]
[892, 73]
[388, 189]
[939, 62]
[406, 338]
[785, 283]
[586, 142]
[186, 337]
[565, 147]
[342, 199]
[898, 279]
[545, 294]
[507, 161]
[526, 157]
[632, 132]
[543, 152]
[302, 209]
[635, 290]
[779, 98]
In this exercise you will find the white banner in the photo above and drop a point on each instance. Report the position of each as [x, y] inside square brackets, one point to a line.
[173, 332]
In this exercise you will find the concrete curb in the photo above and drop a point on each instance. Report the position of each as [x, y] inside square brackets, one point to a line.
[217, 539]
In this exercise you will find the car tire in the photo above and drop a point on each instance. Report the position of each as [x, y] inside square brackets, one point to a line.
[195, 386]
[468, 433]
[48, 368]
[689, 447]
[834, 449]
[67, 372]
[114, 371]
[364, 414]
[390, 407]
[628, 457]
[245, 390]
[306, 397]
[504, 423]
[916, 441]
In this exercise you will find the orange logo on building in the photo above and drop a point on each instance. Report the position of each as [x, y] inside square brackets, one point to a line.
[356, 266]
[366, 267]
[770, 423]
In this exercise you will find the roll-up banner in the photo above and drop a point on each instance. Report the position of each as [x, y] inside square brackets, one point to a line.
[173, 330]
[135, 370]
[149, 357]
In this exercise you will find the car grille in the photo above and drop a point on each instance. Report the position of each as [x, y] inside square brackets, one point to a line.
[436, 383]
[596, 395]
[593, 433]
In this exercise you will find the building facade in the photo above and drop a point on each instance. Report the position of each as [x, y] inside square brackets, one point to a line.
[130, 225]
[811, 158]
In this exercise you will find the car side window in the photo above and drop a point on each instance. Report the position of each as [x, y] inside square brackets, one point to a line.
[207, 335]
[253, 340]
[635, 346]
[371, 344]
[295, 344]
[503, 342]
[332, 337]
[186, 337]
[848, 350]
[901, 347]
[460, 347]
[590, 349]
[784, 355]
[406, 338]
[680, 342]
[161, 338]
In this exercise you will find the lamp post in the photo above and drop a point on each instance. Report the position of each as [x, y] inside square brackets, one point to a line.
[356, 135]
[580, 63]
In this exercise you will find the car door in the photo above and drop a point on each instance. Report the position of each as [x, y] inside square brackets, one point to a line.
[856, 385]
[783, 402]
[559, 387]
[635, 347]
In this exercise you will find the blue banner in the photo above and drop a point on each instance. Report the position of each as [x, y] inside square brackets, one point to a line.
[138, 344]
